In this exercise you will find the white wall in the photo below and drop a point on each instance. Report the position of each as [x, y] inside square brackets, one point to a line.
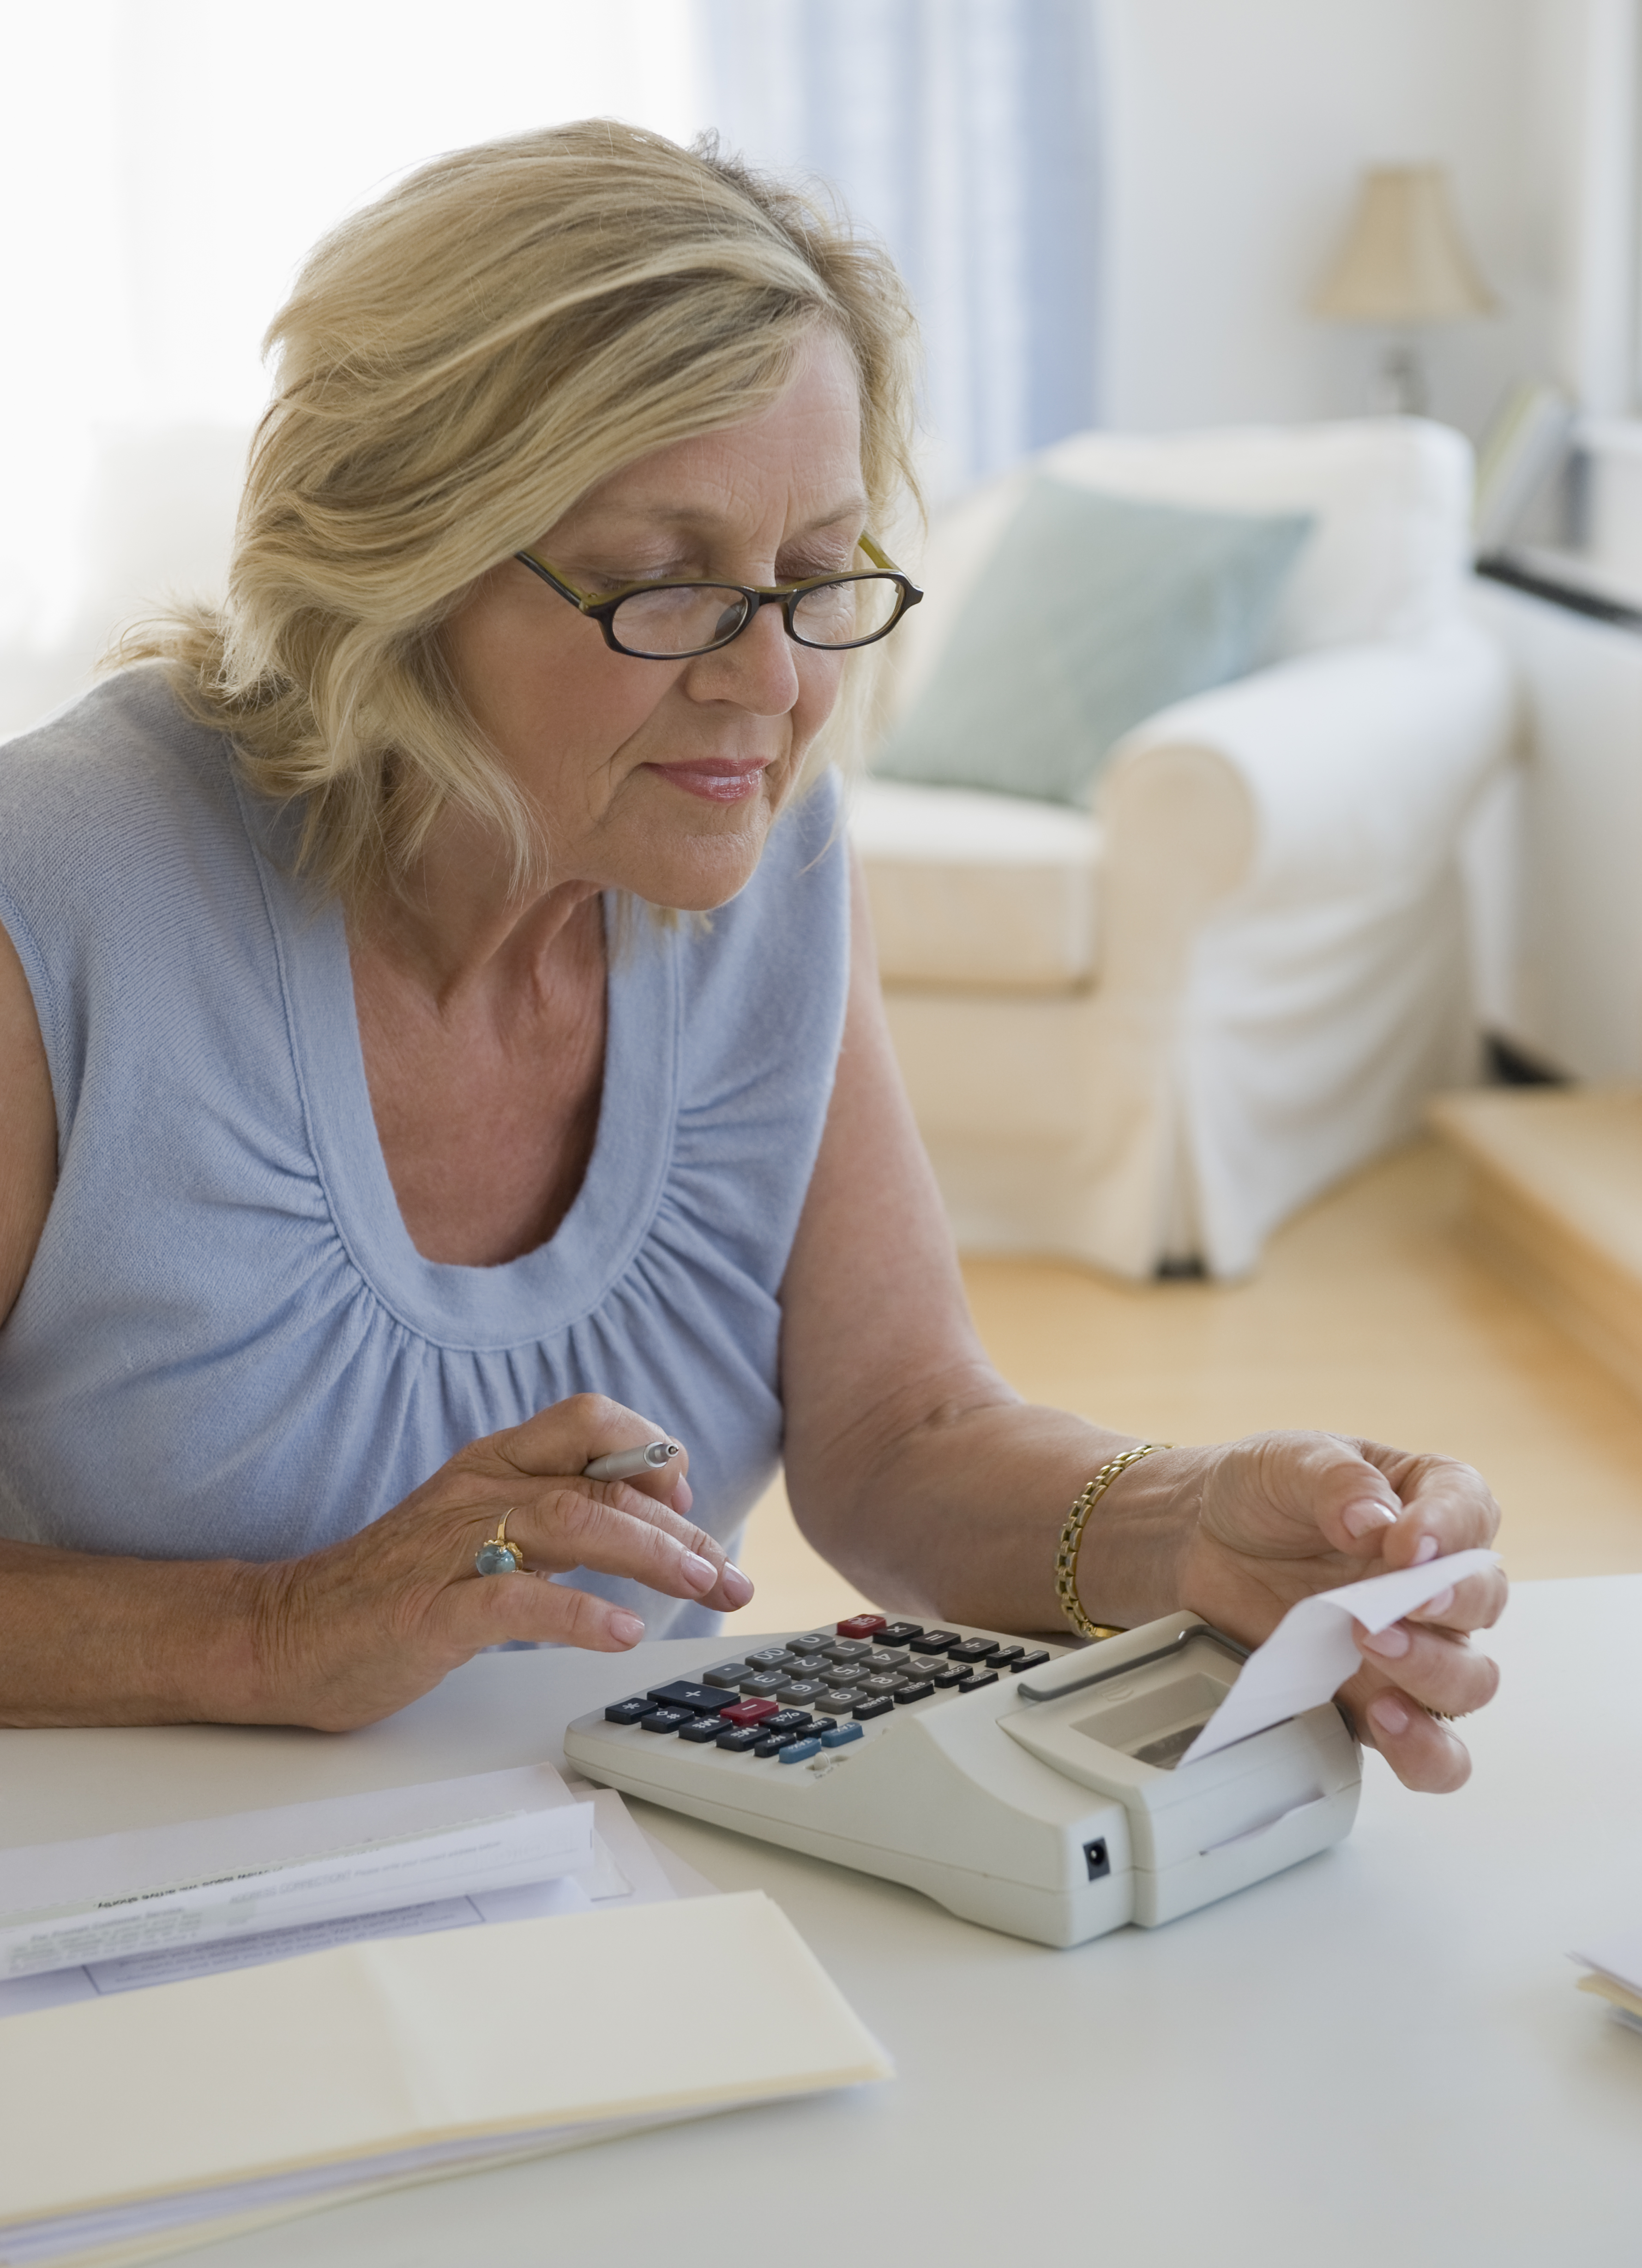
[1238, 128]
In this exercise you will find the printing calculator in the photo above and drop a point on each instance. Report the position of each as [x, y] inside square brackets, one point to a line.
[1038, 1790]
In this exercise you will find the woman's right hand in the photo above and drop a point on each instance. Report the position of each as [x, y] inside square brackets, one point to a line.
[349, 1634]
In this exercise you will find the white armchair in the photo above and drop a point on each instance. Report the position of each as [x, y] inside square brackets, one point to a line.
[1148, 1034]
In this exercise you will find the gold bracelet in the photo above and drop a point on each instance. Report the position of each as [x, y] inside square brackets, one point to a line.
[1072, 1536]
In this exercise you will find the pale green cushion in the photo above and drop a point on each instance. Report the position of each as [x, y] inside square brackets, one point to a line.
[1093, 611]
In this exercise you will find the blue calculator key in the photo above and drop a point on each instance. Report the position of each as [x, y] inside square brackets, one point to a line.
[775, 1742]
[1034, 1661]
[920, 1692]
[932, 1642]
[799, 1750]
[977, 1679]
[876, 1705]
[681, 1694]
[726, 1672]
[703, 1728]
[744, 1737]
[628, 1712]
[789, 1721]
[665, 1721]
[835, 1736]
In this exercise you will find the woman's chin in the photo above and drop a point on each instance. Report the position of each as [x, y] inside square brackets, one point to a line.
[695, 875]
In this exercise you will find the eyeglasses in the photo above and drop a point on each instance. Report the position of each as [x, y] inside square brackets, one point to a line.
[670, 621]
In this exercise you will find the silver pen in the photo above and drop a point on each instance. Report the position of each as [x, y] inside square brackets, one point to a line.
[626, 1465]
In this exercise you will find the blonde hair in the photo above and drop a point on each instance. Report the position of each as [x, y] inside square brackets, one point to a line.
[458, 364]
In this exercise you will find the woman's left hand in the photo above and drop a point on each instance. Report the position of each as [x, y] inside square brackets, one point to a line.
[1281, 1515]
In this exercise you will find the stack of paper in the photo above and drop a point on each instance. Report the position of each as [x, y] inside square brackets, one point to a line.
[154, 2120]
[1616, 1963]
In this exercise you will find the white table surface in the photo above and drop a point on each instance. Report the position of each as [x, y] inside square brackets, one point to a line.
[1378, 2058]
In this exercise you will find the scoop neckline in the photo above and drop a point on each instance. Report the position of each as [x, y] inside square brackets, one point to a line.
[543, 1290]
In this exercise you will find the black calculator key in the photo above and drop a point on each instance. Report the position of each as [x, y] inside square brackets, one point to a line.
[1034, 1660]
[773, 1743]
[882, 1658]
[888, 1681]
[932, 1642]
[919, 1690]
[898, 1633]
[1007, 1657]
[876, 1705]
[840, 1699]
[788, 1720]
[763, 1684]
[770, 1657]
[972, 1649]
[848, 1649]
[951, 1673]
[804, 1693]
[704, 1729]
[665, 1721]
[743, 1738]
[972, 1684]
[628, 1712]
[812, 1642]
[727, 1672]
[681, 1694]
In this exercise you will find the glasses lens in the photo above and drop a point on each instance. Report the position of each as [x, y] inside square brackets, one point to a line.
[679, 618]
[847, 612]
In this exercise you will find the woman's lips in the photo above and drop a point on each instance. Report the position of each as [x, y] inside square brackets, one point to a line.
[717, 779]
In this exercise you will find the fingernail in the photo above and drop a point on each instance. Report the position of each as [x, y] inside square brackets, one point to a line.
[1439, 1604]
[1391, 1642]
[1387, 1713]
[699, 1573]
[1427, 1548]
[737, 1587]
[625, 1629]
[1361, 1518]
[683, 1495]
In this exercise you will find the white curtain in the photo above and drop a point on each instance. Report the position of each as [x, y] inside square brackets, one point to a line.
[965, 133]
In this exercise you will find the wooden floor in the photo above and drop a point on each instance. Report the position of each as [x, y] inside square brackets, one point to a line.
[1368, 1318]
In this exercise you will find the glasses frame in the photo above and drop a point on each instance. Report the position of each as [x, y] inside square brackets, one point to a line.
[786, 596]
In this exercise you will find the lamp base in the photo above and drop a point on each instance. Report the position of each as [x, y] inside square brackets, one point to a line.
[1400, 388]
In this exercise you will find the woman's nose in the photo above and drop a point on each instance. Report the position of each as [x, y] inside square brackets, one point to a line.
[757, 671]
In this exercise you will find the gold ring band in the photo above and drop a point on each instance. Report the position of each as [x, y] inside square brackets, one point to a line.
[496, 1556]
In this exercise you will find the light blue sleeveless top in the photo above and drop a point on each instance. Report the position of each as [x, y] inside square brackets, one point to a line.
[227, 1345]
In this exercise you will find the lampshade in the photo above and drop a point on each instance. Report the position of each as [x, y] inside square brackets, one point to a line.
[1405, 260]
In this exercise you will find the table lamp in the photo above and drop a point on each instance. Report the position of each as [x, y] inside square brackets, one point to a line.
[1404, 265]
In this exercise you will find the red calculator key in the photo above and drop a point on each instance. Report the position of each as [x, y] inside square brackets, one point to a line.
[749, 1713]
[863, 1626]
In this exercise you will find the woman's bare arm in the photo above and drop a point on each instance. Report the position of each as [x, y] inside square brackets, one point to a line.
[28, 1129]
[924, 1477]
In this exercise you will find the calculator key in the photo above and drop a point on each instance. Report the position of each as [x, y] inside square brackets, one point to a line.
[977, 1679]
[888, 1682]
[773, 1743]
[665, 1721]
[789, 1721]
[704, 1729]
[884, 1657]
[837, 1735]
[770, 1657]
[749, 1713]
[932, 1642]
[763, 1684]
[841, 1699]
[950, 1672]
[681, 1694]
[799, 1751]
[1007, 1657]
[740, 1739]
[1034, 1661]
[898, 1633]
[848, 1649]
[812, 1642]
[876, 1705]
[862, 1625]
[628, 1712]
[727, 1672]
[972, 1649]
[805, 1691]
[919, 1690]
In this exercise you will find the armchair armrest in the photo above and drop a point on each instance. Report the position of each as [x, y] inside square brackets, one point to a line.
[1337, 773]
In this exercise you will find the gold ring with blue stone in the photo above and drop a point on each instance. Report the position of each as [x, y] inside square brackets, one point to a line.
[496, 1556]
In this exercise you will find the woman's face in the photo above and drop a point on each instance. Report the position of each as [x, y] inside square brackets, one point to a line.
[662, 777]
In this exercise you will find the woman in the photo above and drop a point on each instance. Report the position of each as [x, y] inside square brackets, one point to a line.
[441, 1041]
